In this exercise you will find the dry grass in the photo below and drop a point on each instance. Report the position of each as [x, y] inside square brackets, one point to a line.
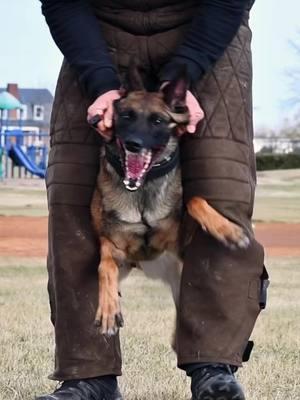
[149, 363]
[23, 197]
[277, 197]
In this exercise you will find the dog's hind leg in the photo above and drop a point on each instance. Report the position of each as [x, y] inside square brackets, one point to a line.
[168, 268]
[108, 315]
[216, 224]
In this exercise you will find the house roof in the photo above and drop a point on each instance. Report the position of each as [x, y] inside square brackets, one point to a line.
[34, 96]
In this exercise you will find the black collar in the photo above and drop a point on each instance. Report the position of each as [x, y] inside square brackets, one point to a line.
[156, 171]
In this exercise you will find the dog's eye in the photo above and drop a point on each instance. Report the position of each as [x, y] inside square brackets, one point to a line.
[156, 119]
[127, 115]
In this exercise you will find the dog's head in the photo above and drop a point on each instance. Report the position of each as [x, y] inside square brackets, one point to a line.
[147, 125]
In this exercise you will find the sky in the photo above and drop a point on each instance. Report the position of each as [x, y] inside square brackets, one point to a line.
[30, 58]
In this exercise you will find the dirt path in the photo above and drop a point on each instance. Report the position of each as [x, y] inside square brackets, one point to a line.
[23, 236]
[27, 237]
[279, 239]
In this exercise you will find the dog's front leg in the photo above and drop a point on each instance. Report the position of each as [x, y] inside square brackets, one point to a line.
[218, 226]
[108, 316]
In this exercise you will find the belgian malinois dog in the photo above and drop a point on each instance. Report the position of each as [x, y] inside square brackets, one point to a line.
[137, 203]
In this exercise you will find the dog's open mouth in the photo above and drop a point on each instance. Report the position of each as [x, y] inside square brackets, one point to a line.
[136, 166]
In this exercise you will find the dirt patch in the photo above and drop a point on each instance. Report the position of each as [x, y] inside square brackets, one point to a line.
[23, 236]
[27, 237]
[279, 239]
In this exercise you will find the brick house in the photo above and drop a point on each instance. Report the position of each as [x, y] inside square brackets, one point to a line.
[35, 113]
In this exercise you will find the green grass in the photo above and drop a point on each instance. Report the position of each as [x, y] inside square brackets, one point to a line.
[150, 372]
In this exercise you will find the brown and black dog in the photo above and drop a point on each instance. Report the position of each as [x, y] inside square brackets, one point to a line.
[137, 203]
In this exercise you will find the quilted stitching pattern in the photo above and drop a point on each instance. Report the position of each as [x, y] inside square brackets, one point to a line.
[225, 93]
[74, 156]
[218, 162]
[68, 121]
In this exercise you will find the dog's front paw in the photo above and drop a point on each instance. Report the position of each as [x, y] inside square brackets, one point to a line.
[230, 234]
[227, 232]
[108, 316]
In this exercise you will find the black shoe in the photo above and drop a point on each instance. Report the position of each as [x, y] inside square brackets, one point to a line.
[215, 382]
[102, 388]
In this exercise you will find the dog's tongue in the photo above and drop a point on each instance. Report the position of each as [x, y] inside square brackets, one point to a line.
[136, 168]
[135, 165]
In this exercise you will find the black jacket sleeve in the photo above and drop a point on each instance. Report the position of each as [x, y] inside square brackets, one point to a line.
[211, 31]
[77, 33]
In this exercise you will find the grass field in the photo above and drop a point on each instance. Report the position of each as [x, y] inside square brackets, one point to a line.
[26, 336]
[149, 363]
[23, 197]
[277, 197]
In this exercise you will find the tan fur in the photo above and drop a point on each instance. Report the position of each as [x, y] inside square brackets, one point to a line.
[109, 306]
[145, 102]
[213, 222]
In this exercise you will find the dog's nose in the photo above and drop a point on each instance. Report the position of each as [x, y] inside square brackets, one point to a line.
[134, 145]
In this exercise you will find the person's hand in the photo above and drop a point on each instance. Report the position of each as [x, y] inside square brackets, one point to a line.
[196, 112]
[103, 106]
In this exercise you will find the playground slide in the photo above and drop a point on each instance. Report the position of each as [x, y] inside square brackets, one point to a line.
[20, 158]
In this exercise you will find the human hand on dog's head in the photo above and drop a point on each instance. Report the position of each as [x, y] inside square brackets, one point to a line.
[176, 95]
[196, 113]
[103, 108]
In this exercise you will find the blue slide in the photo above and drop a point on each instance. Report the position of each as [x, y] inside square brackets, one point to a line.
[22, 160]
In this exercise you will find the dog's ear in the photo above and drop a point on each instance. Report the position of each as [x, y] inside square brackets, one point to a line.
[133, 79]
[174, 92]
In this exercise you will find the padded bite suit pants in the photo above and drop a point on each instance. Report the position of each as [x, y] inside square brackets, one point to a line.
[220, 288]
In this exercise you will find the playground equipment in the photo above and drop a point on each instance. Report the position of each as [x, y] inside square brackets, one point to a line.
[23, 154]
[7, 102]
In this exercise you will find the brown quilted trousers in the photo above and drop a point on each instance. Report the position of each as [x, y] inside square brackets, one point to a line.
[220, 288]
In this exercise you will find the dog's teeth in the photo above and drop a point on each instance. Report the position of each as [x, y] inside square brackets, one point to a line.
[138, 184]
[126, 182]
[132, 188]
